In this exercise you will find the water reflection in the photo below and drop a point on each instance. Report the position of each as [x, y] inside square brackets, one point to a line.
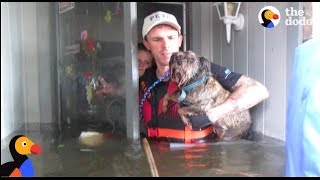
[239, 158]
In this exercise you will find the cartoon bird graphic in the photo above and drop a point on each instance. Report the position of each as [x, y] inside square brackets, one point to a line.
[21, 166]
[267, 15]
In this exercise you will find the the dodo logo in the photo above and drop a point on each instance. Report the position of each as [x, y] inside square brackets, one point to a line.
[269, 17]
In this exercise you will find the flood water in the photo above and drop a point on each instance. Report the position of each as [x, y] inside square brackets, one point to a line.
[238, 158]
[116, 156]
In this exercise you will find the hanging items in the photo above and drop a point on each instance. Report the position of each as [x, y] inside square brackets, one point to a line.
[109, 14]
[65, 6]
[88, 46]
[89, 51]
[89, 88]
[118, 10]
[69, 70]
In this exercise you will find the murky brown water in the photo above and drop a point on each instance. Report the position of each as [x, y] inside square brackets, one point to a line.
[117, 156]
[241, 158]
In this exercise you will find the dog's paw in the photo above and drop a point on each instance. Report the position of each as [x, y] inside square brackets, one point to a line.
[189, 125]
[191, 113]
[165, 103]
[186, 122]
[211, 116]
[164, 108]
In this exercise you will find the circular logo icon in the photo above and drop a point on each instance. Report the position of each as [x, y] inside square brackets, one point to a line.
[269, 17]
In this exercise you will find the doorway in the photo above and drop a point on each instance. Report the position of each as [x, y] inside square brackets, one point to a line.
[178, 9]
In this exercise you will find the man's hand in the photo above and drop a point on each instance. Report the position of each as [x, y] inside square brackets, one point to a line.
[245, 94]
[106, 87]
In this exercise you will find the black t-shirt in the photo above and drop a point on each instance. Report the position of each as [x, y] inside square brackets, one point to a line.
[226, 78]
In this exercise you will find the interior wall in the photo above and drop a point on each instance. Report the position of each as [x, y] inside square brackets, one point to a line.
[261, 53]
[13, 113]
[27, 89]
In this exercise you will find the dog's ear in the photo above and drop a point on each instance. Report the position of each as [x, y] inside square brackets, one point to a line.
[173, 55]
[205, 65]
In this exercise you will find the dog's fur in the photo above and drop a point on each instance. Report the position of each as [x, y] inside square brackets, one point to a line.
[186, 68]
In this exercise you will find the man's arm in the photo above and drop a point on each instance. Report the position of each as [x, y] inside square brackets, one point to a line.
[246, 93]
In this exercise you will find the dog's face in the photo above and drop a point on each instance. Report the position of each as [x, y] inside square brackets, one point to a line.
[186, 65]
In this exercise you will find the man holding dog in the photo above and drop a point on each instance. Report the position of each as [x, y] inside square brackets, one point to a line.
[162, 36]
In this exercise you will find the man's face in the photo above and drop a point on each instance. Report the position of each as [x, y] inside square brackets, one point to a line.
[162, 41]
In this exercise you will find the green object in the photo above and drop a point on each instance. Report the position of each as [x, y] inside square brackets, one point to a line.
[60, 145]
[108, 16]
[90, 92]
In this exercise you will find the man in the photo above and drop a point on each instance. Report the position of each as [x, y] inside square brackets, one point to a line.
[303, 112]
[162, 36]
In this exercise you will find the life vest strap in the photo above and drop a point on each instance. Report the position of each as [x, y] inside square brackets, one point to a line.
[187, 134]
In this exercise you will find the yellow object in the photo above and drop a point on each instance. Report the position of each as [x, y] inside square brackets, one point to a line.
[90, 92]
[108, 16]
[69, 69]
[230, 9]
[91, 138]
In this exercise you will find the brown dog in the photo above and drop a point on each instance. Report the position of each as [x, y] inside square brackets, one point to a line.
[202, 93]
